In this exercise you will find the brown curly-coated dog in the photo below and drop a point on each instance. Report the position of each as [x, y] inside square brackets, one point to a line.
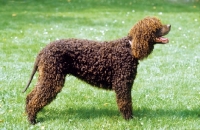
[110, 65]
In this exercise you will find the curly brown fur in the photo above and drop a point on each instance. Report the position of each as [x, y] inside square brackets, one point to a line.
[110, 65]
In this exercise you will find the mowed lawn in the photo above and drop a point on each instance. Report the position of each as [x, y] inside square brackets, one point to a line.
[166, 92]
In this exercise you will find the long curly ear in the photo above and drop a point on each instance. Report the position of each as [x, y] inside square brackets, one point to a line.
[142, 34]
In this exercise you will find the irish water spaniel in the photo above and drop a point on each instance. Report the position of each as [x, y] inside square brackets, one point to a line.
[111, 65]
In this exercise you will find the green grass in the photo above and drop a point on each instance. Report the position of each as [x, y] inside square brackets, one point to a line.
[166, 93]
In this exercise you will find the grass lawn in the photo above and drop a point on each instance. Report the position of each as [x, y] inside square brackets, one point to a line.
[166, 93]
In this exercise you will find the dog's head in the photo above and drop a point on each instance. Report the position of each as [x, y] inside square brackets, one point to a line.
[145, 34]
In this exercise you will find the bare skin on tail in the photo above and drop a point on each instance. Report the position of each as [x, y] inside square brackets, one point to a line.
[35, 67]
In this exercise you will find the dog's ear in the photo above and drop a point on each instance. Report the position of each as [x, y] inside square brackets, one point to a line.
[140, 49]
[143, 35]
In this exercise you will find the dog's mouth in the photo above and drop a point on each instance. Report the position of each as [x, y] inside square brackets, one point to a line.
[162, 32]
[162, 40]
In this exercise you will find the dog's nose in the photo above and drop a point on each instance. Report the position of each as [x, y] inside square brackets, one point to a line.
[169, 26]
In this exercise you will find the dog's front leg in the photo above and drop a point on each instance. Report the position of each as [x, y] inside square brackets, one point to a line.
[124, 102]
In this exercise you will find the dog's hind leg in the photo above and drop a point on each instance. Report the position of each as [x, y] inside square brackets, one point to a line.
[47, 88]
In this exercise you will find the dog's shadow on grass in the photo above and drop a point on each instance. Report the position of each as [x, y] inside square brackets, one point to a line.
[92, 113]
[79, 113]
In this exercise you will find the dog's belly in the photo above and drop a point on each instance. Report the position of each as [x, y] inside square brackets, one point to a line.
[99, 75]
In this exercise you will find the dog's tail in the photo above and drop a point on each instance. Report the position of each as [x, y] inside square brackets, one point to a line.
[35, 67]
